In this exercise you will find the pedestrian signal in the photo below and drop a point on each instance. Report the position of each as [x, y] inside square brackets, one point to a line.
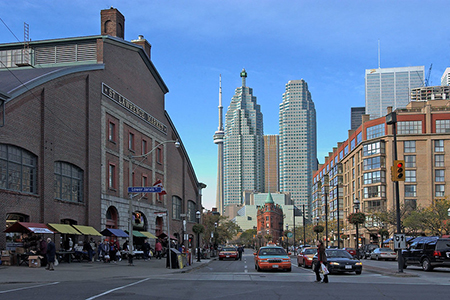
[398, 170]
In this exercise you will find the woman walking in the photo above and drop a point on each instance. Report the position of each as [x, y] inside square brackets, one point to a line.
[321, 259]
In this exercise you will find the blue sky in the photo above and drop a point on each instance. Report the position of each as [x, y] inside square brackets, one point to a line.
[327, 43]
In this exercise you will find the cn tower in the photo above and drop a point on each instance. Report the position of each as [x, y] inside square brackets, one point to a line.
[218, 139]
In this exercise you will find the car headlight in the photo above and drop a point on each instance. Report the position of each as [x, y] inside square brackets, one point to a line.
[334, 263]
[286, 259]
[308, 258]
[359, 263]
[263, 260]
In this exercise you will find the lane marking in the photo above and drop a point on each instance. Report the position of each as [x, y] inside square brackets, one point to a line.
[116, 289]
[29, 287]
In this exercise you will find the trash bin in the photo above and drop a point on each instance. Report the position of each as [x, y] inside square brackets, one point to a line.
[174, 253]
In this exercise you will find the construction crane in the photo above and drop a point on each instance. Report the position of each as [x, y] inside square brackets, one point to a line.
[427, 81]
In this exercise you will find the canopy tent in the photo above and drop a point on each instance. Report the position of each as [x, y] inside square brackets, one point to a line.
[148, 234]
[63, 228]
[114, 232]
[24, 227]
[87, 230]
[136, 233]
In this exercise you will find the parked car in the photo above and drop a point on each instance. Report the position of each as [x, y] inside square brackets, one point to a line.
[352, 251]
[367, 250]
[383, 253]
[228, 252]
[339, 261]
[305, 257]
[428, 252]
[272, 258]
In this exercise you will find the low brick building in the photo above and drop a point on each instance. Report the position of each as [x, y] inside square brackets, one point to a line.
[77, 112]
[270, 220]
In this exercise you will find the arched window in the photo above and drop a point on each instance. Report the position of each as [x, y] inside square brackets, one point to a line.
[68, 182]
[17, 169]
[112, 217]
[191, 211]
[176, 207]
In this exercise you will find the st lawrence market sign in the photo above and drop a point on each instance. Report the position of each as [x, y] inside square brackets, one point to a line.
[133, 108]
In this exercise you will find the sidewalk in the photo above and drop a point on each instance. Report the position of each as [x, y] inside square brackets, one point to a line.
[81, 271]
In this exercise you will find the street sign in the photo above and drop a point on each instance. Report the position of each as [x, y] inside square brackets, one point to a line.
[290, 234]
[144, 189]
[399, 241]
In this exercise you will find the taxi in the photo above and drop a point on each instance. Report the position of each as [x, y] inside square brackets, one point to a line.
[228, 253]
[272, 258]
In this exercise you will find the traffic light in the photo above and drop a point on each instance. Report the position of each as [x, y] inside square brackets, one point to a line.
[398, 170]
[137, 218]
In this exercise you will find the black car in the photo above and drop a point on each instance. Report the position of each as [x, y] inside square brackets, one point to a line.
[428, 252]
[340, 261]
[367, 250]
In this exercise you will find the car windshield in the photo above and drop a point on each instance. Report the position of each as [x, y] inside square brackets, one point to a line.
[271, 251]
[310, 251]
[229, 249]
[338, 254]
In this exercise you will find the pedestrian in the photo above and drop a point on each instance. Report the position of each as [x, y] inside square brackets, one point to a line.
[240, 250]
[158, 249]
[321, 259]
[88, 248]
[43, 251]
[51, 253]
[146, 250]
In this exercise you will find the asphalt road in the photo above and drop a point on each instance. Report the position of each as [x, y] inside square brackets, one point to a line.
[226, 280]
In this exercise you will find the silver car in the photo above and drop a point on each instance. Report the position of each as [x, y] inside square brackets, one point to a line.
[383, 253]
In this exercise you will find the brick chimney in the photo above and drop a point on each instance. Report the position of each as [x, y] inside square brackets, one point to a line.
[112, 23]
[144, 44]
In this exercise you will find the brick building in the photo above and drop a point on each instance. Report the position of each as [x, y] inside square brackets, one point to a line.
[270, 220]
[77, 111]
[359, 168]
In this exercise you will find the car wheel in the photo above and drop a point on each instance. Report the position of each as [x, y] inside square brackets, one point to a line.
[289, 270]
[220, 258]
[304, 264]
[358, 272]
[426, 265]
[378, 258]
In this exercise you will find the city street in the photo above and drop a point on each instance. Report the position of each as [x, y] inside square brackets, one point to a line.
[214, 279]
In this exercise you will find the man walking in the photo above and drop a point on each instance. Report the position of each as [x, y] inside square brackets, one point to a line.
[240, 250]
[51, 253]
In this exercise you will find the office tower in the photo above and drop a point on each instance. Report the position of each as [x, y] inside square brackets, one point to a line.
[243, 145]
[271, 163]
[298, 145]
[356, 113]
[390, 87]
[445, 79]
[218, 139]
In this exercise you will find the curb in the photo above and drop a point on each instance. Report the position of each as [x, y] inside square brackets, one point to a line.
[388, 272]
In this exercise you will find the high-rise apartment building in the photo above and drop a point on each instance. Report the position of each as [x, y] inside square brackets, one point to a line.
[243, 145]
[445, 79]
[356, 114]
[390, 87]
[298, 142]
[271, 163]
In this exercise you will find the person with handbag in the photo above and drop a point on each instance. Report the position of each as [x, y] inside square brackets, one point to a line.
[321, 260]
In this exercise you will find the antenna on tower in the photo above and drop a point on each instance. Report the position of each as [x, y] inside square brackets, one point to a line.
[26, 47]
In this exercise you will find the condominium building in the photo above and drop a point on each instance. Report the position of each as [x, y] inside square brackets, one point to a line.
[390, 87]
[445, 79]
[243, 145]
[360, 168]
[271, 163]
[298, 145]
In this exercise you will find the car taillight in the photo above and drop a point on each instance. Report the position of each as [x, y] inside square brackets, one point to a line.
[437, 253]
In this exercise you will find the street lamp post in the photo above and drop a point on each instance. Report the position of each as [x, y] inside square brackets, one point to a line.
[198, 215]
[317, 237]
[356, 205]
[130, 204]
[287, 238]
[304, 226]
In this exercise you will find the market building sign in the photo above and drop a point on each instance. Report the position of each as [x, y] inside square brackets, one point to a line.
[133, 108]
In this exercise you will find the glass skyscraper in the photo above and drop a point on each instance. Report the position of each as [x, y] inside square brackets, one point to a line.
[298, 142]
[243, 145]
[390, 87]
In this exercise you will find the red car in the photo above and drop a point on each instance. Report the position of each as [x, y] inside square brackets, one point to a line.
[228, 252]
[352, 251]
[305, 257]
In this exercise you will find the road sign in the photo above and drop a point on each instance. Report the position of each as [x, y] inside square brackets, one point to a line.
[399, 241]
[144, 189]
[289, 234]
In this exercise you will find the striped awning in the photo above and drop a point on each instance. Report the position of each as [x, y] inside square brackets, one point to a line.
[87, 230]
[148, 234]
[64, 228]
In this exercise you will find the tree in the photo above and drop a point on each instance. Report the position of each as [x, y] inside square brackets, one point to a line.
[247, 237]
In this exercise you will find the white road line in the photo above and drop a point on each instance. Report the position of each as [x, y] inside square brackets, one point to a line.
[28, 287]
[116, 289]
